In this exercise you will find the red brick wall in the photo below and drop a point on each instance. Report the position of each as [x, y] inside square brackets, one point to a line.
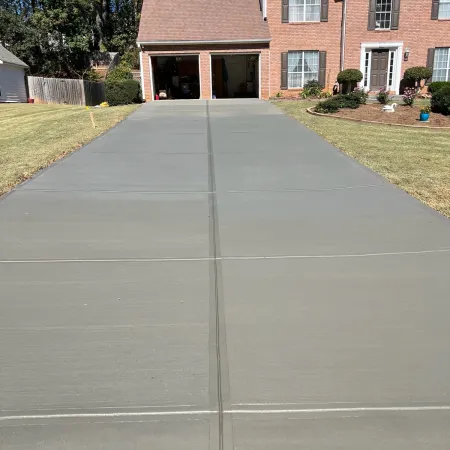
[416, 30]
[322, 36]
[204, 53]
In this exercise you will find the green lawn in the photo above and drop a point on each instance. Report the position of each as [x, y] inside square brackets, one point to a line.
[416, 160]
[33, 136]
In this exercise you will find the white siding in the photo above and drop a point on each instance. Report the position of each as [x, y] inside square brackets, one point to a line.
[12, 84]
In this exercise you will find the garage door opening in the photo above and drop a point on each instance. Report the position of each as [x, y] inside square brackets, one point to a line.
[176, 77]
[235, 76]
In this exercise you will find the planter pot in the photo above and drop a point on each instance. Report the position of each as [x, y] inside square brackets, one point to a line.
[424, 117]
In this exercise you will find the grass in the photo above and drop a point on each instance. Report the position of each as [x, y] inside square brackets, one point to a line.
[416, 160]
[33, 136]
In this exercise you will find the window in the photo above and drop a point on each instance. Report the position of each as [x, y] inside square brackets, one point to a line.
[383, 15]
[304, 10]
[302, 67]
[441, 67]
[391, 68]
[444, 9]
[366, 68]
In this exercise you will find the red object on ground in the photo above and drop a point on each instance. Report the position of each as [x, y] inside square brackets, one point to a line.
[30, 100]
[156, 97]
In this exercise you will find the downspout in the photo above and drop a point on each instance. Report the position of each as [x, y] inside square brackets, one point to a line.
[343, 32]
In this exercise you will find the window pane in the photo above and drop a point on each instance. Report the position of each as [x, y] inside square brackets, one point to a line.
[304, 10]
[383, 14]
[441, 68]
[444, 9]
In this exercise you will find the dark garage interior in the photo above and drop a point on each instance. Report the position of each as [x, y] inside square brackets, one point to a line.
[176, 77]
[235, 76]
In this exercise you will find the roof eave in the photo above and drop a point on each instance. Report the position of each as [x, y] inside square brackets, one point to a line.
[207, 42]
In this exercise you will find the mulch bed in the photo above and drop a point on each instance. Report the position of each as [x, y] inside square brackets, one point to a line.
[404, 115]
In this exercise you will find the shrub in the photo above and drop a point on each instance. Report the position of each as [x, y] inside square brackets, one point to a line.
[418, 73]
[409, 96]
[312, 89]
[440, 101]
[350, 76]
[333, 104]
[131, 58]
[383, 96]
[330, 105]
[122, 92]
[120, 73]
[436, 85]
[92, 75]
[361, 95]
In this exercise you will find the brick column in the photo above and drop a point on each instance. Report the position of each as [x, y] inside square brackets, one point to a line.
[147, 79]
[205, 75]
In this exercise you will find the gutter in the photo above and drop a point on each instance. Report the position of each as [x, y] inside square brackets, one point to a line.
[343, 33]
[233, 41]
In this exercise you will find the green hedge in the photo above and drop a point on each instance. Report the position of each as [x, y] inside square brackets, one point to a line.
[418, 73]
[440, 101]
[333, 104]
[122, 92]
[436, 85]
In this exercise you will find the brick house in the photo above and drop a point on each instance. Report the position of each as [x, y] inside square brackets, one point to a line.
[257, 48]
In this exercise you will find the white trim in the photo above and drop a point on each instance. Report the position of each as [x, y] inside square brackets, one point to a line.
[150, 68]
[199, 78]
[259, 77]
[396, 48]
[141, 66]
[265, 9]
[210, 77]
[232, 41]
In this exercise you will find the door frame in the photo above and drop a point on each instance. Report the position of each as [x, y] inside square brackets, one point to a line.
[395, 49]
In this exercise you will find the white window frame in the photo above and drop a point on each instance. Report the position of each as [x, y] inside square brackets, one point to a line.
[291, 6]
[448, 64]
[390, 18]
[302, 84]
[393, 47]
[440, 16]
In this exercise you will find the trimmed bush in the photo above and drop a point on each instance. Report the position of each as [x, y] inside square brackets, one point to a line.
[440, 101]
[122, 92]
[350, 76]
[436, 85]
[333, 104]
[120, 73]
[418, 73]
[328, 106]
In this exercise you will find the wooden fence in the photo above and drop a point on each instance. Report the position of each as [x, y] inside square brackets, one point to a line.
[66, 91]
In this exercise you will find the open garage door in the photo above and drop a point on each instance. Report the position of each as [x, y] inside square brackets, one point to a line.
[176, 77]
[235, 75]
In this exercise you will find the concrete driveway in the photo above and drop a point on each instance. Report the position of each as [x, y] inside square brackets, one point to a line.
[216, 276]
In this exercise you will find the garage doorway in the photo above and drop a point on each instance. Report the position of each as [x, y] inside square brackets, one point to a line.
[176, 77]
[235, 76]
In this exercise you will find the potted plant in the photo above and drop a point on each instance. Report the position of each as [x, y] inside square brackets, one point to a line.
[425, 113]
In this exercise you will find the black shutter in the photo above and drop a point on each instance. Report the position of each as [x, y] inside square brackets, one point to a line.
[322, 68]
[285, 11]
[372, 15]
[324, 11]
[395, 14]
[430, 58]
[284, 71]
[434, 9]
